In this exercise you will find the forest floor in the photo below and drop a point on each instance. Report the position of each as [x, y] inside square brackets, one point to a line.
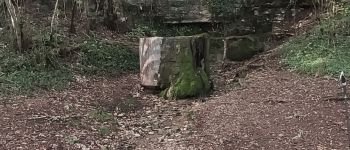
[257, 104]
[270, 108]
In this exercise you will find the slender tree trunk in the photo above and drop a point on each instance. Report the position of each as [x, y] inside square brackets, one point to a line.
[2, 10]
[97, 6]
[87, 15]
[64, 9]
[15, 23]
[54, 20]
[72, 26]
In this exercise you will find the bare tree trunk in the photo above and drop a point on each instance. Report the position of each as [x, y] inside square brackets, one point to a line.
[97, 5]
[72, 27]
[87, 15]
[15, 23]
[54, 20]
[64, 9]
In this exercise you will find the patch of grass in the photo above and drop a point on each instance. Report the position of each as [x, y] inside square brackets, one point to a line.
[72, 139]
[323, 50]
[28, 80]
[99, 58]
[101, 115]
[103, 130]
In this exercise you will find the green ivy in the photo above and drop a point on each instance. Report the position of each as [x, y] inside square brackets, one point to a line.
[100, 58]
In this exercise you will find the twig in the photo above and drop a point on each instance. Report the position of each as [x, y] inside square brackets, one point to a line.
[333, 98]
[37, 118]
[54, 118]
[225, 51]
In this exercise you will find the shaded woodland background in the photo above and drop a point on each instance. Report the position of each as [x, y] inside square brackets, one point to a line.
[69, 75]
[44, 43]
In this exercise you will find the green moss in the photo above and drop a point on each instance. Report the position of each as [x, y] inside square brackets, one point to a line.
[190, 82]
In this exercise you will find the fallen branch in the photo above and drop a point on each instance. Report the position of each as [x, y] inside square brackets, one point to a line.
[333, 98]
[55, 118]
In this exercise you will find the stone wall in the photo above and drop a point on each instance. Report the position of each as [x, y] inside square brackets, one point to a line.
[253, 15]
[183, 11]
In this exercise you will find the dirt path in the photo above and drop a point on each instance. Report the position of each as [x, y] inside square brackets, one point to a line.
[274, 109]
[271, 109]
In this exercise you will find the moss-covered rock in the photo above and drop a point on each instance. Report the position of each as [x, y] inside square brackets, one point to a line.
[177, 64]
[243, 48]
[191, 82]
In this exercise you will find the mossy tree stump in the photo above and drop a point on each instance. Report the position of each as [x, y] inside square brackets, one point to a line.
[177, 65]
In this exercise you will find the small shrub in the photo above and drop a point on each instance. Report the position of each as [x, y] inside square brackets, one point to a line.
[104, 131]
[100, 115]
[72, 139]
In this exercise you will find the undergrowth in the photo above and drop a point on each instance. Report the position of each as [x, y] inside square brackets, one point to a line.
[42, 67]
[36, 68]
[146, 30]
[100, 58]
[322, 50]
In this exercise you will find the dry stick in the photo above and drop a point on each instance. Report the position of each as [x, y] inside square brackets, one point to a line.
[225, 50]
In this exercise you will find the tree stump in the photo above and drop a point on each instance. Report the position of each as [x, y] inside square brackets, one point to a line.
[178, 65]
